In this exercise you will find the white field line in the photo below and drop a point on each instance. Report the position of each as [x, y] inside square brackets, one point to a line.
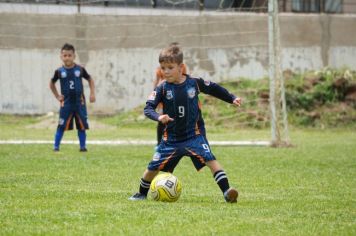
[135, 142]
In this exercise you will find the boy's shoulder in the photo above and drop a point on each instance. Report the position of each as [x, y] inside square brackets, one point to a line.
[80, 66]
[194, 80]
[59, 68]
[189, 79]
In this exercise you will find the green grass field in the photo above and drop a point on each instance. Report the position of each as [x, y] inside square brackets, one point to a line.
[309, 189]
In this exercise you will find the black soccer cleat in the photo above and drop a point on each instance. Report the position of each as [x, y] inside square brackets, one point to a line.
[83, 150]
[231, 195]
[138, 197]
[56, 149]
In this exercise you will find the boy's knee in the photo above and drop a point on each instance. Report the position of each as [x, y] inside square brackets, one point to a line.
[213, 165]
[149, 174]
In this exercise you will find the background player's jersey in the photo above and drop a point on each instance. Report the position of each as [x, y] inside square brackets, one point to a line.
[181, 102]
[71, 83]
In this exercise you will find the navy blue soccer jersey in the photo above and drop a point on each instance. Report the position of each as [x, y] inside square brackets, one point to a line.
[181, 102]
[71, 83]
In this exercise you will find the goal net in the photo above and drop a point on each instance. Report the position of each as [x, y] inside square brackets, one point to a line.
[118, 41]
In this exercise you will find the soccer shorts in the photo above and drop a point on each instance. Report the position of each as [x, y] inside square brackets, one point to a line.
[168, 154]
[68, 113]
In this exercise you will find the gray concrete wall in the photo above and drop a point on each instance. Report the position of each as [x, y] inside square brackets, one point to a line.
[120, 50]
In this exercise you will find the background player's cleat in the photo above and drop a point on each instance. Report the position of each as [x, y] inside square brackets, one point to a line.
[83, 150]
[231, 195]
[56, 149]
[137, 197]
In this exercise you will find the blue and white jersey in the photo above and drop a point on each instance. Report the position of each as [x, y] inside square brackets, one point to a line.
[181, 102]
[71, 83]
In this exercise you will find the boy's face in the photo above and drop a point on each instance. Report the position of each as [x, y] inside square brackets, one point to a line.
[172, 72]
[67, 56]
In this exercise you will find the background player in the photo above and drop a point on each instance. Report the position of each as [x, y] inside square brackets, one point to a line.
[71, 99]
[184, 132]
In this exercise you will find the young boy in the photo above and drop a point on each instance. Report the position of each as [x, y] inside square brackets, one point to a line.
[160, 79]
[71, 99]
[184, 133]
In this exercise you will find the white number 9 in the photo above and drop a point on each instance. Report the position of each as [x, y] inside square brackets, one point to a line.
[181, 111]
[206, 147]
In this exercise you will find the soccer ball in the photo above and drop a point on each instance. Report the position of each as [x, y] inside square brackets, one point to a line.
[165, 187]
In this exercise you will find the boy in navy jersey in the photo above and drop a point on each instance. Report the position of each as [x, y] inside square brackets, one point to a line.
[184, 132]
[71, 98]
[159, 79]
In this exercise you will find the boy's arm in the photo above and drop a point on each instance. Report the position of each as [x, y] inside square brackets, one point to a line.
[150, 112]
[217, 91]
[92, 90]
[54, 90]
[52, 86]
[90, 80]
[150, 109]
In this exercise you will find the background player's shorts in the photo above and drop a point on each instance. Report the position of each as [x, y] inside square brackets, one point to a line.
[73, 112]
[168, 154]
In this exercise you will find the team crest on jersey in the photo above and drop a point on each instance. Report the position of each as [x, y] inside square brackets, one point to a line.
[207, 82]
[191, 92]
[63, 74]
[156, 156]
[169, 94]
[77, 73]
[152, 96]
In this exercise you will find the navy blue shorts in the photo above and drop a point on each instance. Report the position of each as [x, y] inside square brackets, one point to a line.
[168, 155]
[68, 113]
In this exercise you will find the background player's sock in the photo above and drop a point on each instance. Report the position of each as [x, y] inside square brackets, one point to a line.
[221, 179]
[57, 138]
[82, 138]
[144, 186]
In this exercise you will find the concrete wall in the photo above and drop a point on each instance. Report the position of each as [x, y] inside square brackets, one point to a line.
[120, 50]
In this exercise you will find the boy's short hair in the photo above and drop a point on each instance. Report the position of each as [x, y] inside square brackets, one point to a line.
[68, 47]
[171, 54]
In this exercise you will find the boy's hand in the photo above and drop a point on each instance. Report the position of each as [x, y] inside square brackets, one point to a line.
[60, 98]
[237, 102]
[164, 119]
[92, 98]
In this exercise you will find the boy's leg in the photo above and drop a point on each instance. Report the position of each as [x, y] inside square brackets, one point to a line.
[82, 140]
[164, 159]
[57, 138]
[199, 150]
[230, 194]
[81, 123]
[145, 183]
[64, 122]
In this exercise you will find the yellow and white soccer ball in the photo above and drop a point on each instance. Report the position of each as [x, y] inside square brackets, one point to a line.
[165, 187]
